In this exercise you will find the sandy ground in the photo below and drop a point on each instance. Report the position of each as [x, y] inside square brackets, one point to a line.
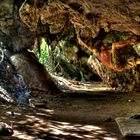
[71, 116]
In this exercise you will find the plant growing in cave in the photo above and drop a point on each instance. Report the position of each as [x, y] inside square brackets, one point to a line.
[45, 56]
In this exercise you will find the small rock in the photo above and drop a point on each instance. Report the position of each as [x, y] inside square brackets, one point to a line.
[5, 129]
[131, 100]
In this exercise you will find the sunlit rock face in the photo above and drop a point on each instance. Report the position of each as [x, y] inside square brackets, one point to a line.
[34, 73]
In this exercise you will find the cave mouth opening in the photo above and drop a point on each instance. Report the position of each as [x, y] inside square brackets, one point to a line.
[68, 60]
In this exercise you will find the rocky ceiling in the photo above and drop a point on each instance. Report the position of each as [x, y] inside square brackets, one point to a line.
[86, 16]
[57, 20]
[61, 20]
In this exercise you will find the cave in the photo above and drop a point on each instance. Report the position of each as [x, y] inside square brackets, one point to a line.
[69, 69]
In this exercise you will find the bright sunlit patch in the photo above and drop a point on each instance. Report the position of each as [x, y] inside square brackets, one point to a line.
[76, 135]
[49, 111]
[78, 131]
[38, 125]
[88, 136]
[91, 127]
[15, 113]
[58, 132]
[22, 135]
[101, 131]
[42, 114]
[107, 138]
[64, 123]
[82, 86]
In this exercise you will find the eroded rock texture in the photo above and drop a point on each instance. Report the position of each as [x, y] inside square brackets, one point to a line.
[34, 73]
[62, 20]
[16, 37]
[12, 85]
[13, 33]
[21, 22]
[87, 17]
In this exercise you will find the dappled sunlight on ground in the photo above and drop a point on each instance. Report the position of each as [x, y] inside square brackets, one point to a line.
[70, 117]
[22, 135]
[39, 126]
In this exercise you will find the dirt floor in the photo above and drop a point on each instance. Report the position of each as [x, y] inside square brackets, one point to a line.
[71, 116]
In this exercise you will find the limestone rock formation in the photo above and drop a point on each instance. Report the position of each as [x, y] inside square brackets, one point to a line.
[56, 20]
[62, 20]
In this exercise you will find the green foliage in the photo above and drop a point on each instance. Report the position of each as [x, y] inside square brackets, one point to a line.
[69, 60]
[44, 51]
[62, 60]
[45, 56]
[137, 48]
